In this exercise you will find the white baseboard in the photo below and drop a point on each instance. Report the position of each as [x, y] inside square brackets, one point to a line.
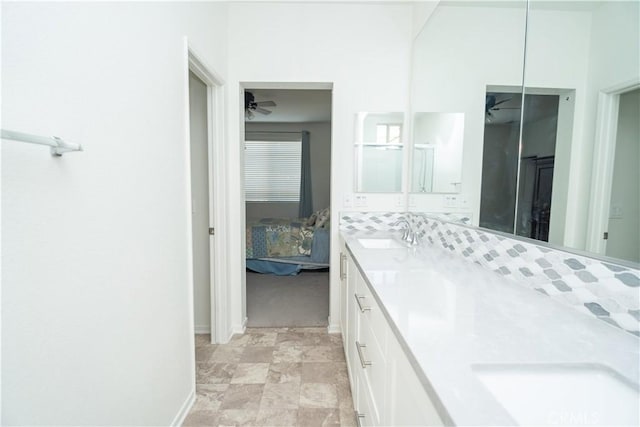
[202, 329]
[334, 329]
[184, 409]
[238, 329]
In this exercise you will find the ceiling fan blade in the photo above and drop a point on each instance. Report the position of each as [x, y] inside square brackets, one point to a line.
[502, 102]
[266, 104]
[262, 110]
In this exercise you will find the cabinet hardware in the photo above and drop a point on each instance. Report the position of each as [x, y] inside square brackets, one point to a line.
[363, 362]
[358, 417]
[343, 270]
[360, 306]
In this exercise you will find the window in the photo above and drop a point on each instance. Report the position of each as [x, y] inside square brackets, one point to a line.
[388, 133]
[272, 171]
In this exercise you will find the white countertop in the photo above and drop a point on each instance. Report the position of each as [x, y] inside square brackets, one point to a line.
[453, 317]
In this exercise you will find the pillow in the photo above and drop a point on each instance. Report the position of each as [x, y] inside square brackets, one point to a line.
[312, 219]
[322, 221]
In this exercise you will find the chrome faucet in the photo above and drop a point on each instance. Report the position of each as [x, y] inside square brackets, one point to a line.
[409, 235]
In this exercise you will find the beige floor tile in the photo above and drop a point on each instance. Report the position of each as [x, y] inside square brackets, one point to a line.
[199, 418]
[209, 396]
[214, 373]
[204, 353]
[321, 353]
[316, 330]
[277, 417]
[305, 385]
[203, 339]
[257, 355]
[337, 354]
[345, 399]
[283, 396]
[239, 340]
[284, 373]
[243, 396]
[263, 339]
[227, 354]
[290, 338]
[287, 354]
[265, 330]
[314, 339]
[250, 373]
[348, 417]
[318, 417]
[237, 417]
[318, 395]
[319, 372]
[336, 340]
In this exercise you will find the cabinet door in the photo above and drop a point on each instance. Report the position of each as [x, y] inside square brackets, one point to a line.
[410, 404]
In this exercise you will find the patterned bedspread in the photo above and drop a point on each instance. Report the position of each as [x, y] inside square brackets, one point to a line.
[278, 237]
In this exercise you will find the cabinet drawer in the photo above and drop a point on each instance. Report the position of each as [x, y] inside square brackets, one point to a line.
[369, 311]
[373, 370]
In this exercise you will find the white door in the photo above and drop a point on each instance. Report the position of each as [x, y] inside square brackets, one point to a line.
[200, 204]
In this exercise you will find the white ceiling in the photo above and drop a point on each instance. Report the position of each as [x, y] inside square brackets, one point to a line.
[294, 105]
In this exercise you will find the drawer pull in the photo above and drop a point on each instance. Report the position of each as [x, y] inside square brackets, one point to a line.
[358, 417]
[363, 362]
[343, 269]
[360, 306]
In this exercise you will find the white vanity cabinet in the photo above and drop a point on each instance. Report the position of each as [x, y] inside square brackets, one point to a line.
[384, 385]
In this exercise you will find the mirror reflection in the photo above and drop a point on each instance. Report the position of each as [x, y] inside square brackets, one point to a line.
[379, 152]
[437, 152]
[577, 78]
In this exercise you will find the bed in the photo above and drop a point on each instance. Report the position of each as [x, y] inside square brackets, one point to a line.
[285, 246]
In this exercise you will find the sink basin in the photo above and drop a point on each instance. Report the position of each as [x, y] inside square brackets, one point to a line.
[380, 243]
[562, 394]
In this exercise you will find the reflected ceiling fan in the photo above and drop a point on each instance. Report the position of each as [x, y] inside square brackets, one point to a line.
[491, 104]
[251, 106]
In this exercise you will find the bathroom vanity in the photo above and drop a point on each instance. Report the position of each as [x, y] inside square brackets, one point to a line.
[434, 339]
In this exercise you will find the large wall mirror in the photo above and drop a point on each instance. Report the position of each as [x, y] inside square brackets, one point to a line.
[551, 134]
[379, 152]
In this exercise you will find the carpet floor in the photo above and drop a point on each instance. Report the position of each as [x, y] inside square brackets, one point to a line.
[288, 301]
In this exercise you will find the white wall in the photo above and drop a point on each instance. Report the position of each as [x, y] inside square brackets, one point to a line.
[613, 60]
[459, 52]
[320, 137]
[200, 203]
[624, 229]
[363, 49]
[97, 306]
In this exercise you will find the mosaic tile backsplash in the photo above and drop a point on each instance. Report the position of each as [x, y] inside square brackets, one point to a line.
[608, 291]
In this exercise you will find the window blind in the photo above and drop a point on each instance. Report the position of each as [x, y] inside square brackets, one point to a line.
[272, 171]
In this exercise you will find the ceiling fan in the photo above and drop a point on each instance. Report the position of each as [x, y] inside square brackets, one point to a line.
[250, 105]
[491, 104]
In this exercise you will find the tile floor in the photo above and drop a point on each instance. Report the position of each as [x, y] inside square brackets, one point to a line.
[272, 377]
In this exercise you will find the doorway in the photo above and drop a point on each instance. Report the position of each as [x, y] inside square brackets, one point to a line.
[199, 141]
[624, 211]
[287, 175]
[204, 114]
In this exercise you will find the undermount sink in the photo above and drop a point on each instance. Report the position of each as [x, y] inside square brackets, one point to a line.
[380, 243]
[562, 394]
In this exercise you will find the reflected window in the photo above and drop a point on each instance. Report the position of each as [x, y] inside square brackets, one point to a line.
[388, 133]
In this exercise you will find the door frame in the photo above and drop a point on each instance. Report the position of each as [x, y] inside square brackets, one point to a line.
[216, 176]
[604, 150]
